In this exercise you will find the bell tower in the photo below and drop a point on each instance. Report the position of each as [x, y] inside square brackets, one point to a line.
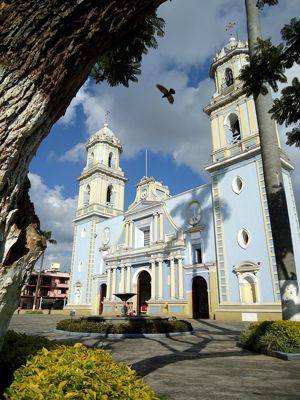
[101, 196]
[102, 181]
[232, 113]
[237, 180]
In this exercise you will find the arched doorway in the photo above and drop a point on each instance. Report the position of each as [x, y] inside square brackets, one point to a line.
[102, 296]
[143, 291]
[200, 298]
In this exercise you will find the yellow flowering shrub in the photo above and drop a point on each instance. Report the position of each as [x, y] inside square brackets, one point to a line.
[76, 373]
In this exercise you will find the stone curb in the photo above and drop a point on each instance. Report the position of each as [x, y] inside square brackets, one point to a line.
[285, 356]
[277, 354]
[122, 335]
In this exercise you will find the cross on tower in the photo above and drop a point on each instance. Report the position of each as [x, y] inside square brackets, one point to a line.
[106, 117]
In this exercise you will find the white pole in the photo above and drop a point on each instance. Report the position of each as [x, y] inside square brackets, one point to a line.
[146, 162]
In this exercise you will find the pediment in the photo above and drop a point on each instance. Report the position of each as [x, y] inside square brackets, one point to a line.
[142, 205]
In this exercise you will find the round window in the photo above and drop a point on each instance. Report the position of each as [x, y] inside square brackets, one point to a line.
[243, 238]
[237, 184]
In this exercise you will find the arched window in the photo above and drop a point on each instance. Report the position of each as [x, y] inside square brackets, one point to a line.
[111, 160]
[109, 195]
[248, 288]
[228, 77]
[232, 129]
[86, 195]
[247, 274]
[90, 159]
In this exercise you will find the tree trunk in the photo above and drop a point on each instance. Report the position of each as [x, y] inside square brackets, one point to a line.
[278, 210]
[47, 49]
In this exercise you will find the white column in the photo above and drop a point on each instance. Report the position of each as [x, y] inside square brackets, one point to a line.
[128, 279]
[108, 283]
[172, 272]
[153, 280]
[155, 218]
[122, 279]
[131, 234]
[160, 278]
[161, 226]
[126, 233]
[180, 278]
[114, 282]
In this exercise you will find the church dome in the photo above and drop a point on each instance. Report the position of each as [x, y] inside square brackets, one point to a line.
[106, 131]
[106, 134]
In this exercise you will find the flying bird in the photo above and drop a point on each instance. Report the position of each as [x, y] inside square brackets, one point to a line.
[167, 93]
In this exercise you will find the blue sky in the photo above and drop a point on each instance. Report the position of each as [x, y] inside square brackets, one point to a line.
[177, 137]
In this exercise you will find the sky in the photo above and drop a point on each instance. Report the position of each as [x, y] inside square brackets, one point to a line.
[178, 136]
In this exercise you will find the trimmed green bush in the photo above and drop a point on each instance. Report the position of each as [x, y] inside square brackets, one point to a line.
[76, 373]
[17, 348]
[270, 336]
[141, 327]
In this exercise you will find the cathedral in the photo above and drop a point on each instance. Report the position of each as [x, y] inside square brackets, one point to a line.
[205, 253]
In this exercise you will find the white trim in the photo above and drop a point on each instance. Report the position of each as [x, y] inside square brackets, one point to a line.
[137, 272]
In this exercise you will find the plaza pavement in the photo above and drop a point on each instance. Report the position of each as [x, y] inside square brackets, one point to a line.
[206, 365]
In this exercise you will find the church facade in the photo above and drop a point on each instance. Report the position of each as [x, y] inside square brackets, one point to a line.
[204, 253]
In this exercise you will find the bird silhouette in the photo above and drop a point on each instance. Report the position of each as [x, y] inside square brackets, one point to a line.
[167, 93]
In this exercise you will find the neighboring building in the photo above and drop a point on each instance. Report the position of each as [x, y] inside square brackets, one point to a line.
[207, 252]
[53, 287]
[54, 266]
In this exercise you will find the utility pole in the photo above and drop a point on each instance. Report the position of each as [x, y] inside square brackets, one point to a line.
[277, 204]
[37, 287]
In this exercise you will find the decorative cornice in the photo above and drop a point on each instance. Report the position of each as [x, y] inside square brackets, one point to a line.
[222, 100]
[101, 168]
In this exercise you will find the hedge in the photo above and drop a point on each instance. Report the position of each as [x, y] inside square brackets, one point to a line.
[76, 373]
[270, 336]
[141, 327]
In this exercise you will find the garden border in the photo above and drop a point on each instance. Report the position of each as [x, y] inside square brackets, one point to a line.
[122, 335]
[277, 354]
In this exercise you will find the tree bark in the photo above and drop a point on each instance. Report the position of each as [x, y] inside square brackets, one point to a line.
[47, 49]
[275, 192]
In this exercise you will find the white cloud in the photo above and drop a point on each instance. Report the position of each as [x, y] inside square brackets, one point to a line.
[75, 154]
[56, 214]
[70, 114]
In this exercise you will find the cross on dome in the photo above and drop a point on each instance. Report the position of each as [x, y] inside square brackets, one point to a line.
[106, 118]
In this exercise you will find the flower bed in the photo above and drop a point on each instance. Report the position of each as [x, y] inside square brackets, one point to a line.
[269, 336]
[131, 327]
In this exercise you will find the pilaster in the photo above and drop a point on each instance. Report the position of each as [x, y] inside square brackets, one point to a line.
[172, 277]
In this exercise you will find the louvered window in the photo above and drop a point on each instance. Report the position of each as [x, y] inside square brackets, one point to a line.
[146, 237]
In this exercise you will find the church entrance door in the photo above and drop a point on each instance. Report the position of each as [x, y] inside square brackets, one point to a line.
[200, 298]
[102, 296]
[143, 292]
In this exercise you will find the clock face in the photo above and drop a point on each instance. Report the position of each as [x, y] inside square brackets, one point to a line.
[144, 193]
[193, 213]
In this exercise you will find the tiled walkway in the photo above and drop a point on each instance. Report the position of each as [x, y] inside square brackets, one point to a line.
[206, 365]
